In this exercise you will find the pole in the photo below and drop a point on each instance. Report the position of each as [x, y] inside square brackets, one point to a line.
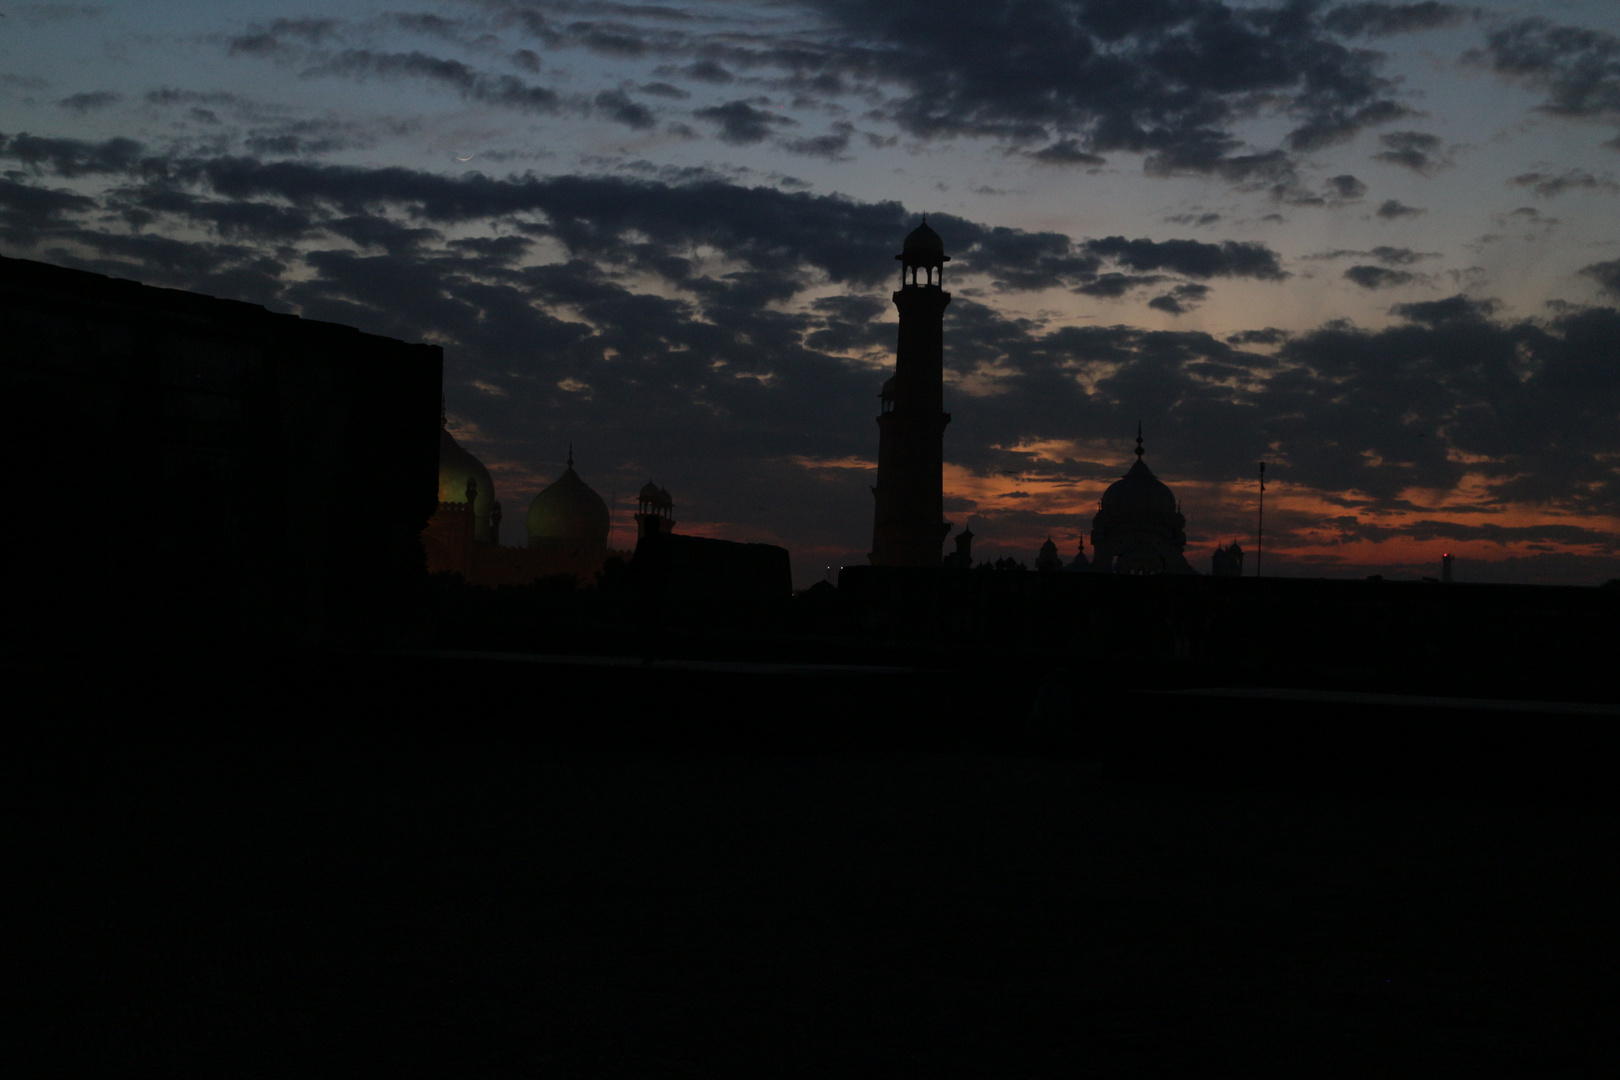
[1260, 529]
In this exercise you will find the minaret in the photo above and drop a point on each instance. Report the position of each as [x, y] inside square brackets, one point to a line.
[909, 525]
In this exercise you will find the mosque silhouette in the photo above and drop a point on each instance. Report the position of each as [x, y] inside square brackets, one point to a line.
[287, 798]
[255, 425]
[1139, 528]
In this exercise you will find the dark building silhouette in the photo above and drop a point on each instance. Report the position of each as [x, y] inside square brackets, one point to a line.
[698, 576]
[962, 557]
[1139, 528]
[655, 510]
[909, 523]
[568, 526]
[251, 474]
[1227, 561]
[1048, 559]
[569, 519]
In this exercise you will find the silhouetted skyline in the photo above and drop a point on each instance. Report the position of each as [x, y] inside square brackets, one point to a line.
[1369, 243]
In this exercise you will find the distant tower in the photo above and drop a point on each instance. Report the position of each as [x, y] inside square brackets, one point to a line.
[909, 523]
[655, 510]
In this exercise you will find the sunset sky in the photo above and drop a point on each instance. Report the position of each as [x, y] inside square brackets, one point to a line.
[1374, 245]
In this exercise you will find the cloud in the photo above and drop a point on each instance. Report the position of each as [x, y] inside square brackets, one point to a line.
[71, 158]
[1381, 20]
[1413, 150]
[1064, 82]
[1549, 185]
[1385, 254]
[93, 101]
[618, 107]
[425, 23]
[1336, 127]
[271, 39]
[1393, 209]
[1167, 81]
[1181, 299]
[741, 124]
[507, 91]
[27, 208]
[1452, 309]
[1268, 336]
[664, 90]
[1579, 68]
[1378, 277]
[1346, 187]
[1112, 286]
[1229, 258]
[1065, 152]
[708, 71]
[1606, 274]
[831, 145]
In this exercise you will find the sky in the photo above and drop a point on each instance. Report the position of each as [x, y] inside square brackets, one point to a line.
[1375, 245]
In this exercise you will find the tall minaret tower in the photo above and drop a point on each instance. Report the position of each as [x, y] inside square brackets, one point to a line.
[909, 526]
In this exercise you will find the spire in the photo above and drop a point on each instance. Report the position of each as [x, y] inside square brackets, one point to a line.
[570, 453]
[1139, 440]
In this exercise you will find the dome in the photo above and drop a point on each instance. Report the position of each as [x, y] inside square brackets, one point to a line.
[649, 492]
[923, 238]
[456, 467]
[1138, 492]
[568, 510]
[923, 247]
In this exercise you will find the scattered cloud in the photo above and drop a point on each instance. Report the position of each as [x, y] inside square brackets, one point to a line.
[1379, 277]
[1577, 67]
[741, 123]
[1413, 150]
[1551, 185]
[1393, 209]
[1382, 20]
[93, 101]
[1606, 274]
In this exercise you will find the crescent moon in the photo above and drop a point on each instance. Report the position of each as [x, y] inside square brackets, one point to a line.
[469, 157]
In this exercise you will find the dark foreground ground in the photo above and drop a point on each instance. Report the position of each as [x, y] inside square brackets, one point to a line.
[434, 868]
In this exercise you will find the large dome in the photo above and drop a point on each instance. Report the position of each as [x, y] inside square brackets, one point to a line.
[1138, 492]
[456, 467]
[568, 511]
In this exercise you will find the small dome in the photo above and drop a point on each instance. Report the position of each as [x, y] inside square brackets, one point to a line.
[1138, 492]
[923, 247]
[568, 510]
[923, 238]
[456, 467]
[664, 500]
[649, 492]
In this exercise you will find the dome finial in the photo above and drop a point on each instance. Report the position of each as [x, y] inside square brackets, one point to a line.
[570, 453]
[1139, 440]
